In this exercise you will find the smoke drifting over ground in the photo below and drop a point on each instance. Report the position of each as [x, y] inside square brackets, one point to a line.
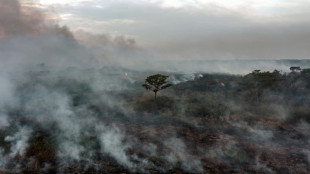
[43, 68]
[67, 106]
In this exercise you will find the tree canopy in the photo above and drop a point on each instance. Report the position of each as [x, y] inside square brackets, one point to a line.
[156, 83]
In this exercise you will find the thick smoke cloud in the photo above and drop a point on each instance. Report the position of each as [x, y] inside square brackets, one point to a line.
[67, 88]
[28, 38]
[40, 64]
[16, 19]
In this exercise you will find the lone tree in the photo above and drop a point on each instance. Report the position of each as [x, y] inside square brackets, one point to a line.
[295, 68]
[156, 83]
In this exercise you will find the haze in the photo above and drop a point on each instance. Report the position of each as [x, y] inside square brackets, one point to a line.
[197, 29]
[136, 86]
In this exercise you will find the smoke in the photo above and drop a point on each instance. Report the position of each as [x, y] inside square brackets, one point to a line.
[19, 19]
[105, 40]
[6, 89]
[16, 20]
[66, 103]
[4, 121]
[112, 143]
[32, 46]
[39, 39]
[179, 155]
[19, 141]
[175, 79]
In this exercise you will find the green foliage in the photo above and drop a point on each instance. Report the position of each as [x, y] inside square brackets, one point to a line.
[261, 79]
[256, 83]
[156, 83]
[295, 68]
[223, 94]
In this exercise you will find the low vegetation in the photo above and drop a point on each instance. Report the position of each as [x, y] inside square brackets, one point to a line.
[216, 123]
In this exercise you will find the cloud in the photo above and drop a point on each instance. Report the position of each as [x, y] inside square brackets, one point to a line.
[201, 29]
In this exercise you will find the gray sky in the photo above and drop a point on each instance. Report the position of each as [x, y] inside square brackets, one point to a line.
[196, 29]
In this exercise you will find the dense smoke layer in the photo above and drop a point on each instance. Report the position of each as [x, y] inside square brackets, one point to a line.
[73, 104]
[43, 68]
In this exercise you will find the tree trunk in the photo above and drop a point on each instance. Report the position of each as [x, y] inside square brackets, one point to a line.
[155, 95]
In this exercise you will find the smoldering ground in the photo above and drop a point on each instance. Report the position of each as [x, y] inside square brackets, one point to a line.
[64, 109]
[69, 121]
[43, 72]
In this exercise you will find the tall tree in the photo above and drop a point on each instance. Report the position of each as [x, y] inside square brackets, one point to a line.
[156, 83]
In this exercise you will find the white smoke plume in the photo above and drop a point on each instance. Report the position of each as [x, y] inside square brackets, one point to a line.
[19, 141]
[65, 87]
